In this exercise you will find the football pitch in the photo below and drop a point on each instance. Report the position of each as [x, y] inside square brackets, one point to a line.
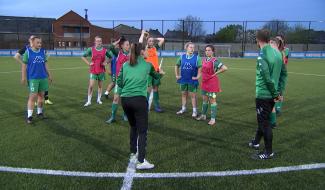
[81, 151]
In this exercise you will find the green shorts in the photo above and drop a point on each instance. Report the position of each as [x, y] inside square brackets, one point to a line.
[38, 85]
[188, 88]
[209, 94]
[117, 90]
[100, 76]
[113, 78]
[153, 82]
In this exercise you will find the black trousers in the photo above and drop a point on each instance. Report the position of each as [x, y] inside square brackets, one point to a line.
[136, 109]
[263, 109]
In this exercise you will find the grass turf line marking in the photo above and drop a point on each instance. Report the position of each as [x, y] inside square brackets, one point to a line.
[232, 173]
[129, 175]
[57, 69]
[295, 73]
[165, 175]
[237, 68]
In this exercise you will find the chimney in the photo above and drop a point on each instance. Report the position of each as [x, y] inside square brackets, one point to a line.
[86, 15]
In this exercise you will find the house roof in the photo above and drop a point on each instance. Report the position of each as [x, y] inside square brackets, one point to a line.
[155, 33]
[125, 29]
[176, 34]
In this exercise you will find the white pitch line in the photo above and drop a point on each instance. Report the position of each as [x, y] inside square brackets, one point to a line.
[129, 175]
[232, 173]
[58, 69]
[295, 73]
[164, 175]
[61, 172]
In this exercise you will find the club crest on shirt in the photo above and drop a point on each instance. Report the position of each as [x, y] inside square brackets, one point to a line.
[38, 59]
[187, 66]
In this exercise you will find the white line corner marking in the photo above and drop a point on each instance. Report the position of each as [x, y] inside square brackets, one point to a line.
[130, 174]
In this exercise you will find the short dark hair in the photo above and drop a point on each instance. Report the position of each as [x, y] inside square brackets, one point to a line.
[263, 35]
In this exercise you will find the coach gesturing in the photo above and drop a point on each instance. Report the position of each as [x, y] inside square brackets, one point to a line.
[133, 81]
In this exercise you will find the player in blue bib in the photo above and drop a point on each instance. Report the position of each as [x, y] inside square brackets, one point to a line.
[188, 72]
[37, 75]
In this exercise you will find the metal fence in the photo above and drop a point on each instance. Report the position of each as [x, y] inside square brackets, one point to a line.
[231, 38]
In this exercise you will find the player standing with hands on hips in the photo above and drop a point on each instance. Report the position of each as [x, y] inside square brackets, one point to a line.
[211, 68]
[97, 65]
[188, 72]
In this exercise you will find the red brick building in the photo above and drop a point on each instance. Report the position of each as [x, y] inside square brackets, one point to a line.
[72, 31]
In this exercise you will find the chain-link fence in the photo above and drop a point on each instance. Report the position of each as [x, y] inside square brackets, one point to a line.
[231, 38]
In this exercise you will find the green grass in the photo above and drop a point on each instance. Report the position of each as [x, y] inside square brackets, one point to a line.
[76, 138]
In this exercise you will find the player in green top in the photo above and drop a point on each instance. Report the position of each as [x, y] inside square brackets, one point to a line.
[277, 44]
[132, 80]
[285, 54]
[268, 70]
[97, 65]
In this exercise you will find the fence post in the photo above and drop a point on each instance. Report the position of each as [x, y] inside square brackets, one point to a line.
[49, 33]
[141, 24]
[183, 36]
[17, 33]
[308, 36]
[80, 39]
[242, 40]
[214, 27]
[113, 30]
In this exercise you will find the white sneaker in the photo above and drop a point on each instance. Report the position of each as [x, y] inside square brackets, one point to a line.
[87, 104]
[194, 114]
[99, 102]
[180, 112]
[145, 165]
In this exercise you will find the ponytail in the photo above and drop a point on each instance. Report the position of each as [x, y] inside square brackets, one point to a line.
[135, 52]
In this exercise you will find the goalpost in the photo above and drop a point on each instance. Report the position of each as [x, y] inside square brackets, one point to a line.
[222, 50]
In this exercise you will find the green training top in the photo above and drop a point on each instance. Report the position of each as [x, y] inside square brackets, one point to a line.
[133, 79]
[268, 70]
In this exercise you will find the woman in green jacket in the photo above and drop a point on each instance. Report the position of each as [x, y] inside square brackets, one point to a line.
[133, 82]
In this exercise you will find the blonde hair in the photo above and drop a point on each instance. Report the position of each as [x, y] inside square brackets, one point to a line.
[187, 44]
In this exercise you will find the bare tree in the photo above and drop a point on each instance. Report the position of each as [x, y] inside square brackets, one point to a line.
[192, 25]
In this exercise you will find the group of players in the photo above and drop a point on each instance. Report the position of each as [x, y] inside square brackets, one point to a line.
[190, 67]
